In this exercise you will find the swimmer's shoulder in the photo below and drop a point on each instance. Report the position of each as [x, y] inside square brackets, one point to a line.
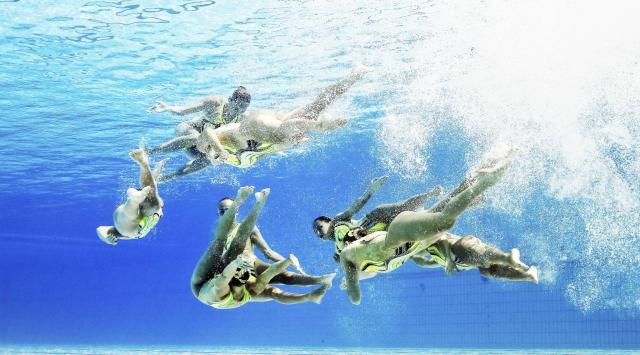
[213, 102]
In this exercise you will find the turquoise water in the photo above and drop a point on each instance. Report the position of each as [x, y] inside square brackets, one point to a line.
[450, 82]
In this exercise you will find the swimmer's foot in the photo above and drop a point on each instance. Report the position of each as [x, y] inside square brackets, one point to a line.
[140, 155]
[261, 196]
[495, 170]
[327, 280]
[243, 193]
[533, 272]
[436, 191]
[105, 236]
[157, 171]
[329, 123]
[478, 201]
[514, 259]
[293, 260]
[317, 295]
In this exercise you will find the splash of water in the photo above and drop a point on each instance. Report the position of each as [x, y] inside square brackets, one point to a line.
[561, 82]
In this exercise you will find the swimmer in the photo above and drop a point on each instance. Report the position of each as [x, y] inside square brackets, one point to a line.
[216, 112]
[264, 132]
[259, 242]
[342, 229]
[135, 218]
[412, 232]
[228, 274]
[455, 253]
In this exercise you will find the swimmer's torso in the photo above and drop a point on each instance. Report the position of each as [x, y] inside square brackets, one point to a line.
[371, 254]
[134, 226]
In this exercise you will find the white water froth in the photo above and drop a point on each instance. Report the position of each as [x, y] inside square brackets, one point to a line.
[559, 81]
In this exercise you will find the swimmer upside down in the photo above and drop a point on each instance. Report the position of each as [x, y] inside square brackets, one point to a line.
[420, 236]
[135, 218]
[229, 275]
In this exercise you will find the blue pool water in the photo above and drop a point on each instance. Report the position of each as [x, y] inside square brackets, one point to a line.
[451, 81]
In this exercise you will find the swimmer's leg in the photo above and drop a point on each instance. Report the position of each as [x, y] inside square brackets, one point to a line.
[426, 225]
[291, 278]
[438, 207]
[197, 164]
[153, 202]
[387, 212]
[227, 220]
[265, 277]
[245, 230]
[294, 130]
[508, 273]
[176, 144]
[312, 110]
[211, 262]
[280, 296]
[471, 178]
[472, 251]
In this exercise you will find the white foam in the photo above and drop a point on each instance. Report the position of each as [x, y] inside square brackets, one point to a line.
[560, 81]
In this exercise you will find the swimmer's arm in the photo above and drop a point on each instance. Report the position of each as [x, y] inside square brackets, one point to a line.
[197, 106]
[265, 249]
[374, 186]
[351, 278]
[424, 262]
[263, 246]
[450, 268]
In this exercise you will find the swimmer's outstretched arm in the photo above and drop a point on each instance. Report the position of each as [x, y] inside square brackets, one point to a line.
[374, 186]
[196, 106]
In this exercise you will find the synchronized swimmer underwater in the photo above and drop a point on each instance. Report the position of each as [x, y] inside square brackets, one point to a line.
[229, 274]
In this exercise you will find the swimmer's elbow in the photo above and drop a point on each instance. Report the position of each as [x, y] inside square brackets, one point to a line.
[355, 297]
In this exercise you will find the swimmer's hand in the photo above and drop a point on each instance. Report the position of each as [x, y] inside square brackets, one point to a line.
[241, 266]
[159, 107]
[377, 183]
[343, 284]
[450, 267]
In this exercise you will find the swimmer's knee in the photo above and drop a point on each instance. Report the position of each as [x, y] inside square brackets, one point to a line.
[445, 223]
[468, 240]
